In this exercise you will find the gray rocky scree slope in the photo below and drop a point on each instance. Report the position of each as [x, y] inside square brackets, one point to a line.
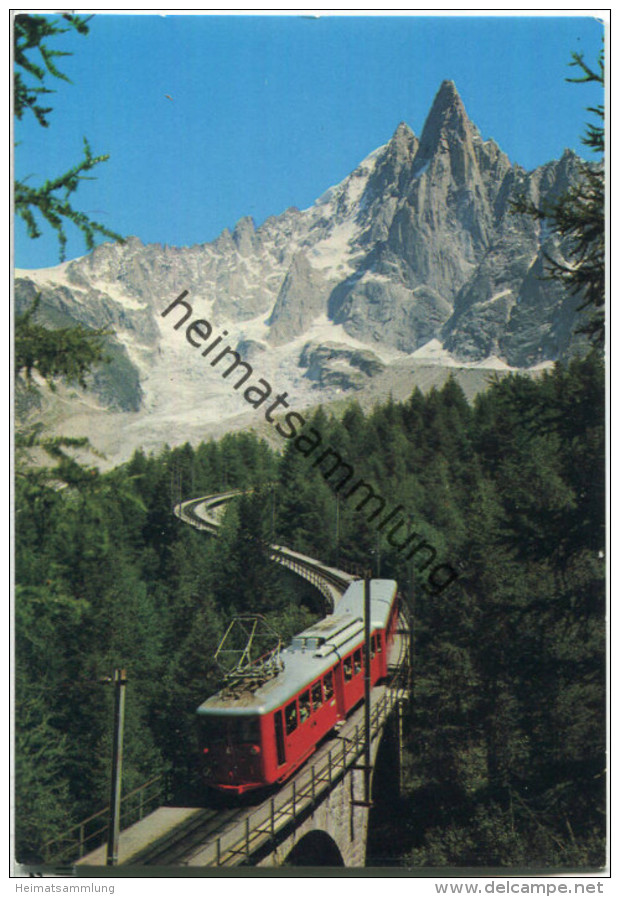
[419, 243]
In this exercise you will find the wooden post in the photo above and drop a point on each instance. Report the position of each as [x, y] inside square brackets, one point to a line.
[367, 690]
[337, 525]
[399, 709]
[411, 633]
[120, 681]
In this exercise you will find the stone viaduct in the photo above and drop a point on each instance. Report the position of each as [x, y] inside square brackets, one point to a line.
[334, 831]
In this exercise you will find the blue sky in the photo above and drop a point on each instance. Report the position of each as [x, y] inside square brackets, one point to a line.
[267, 112]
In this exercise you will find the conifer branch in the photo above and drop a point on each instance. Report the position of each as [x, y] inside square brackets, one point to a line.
[31, 32]
[577, 218]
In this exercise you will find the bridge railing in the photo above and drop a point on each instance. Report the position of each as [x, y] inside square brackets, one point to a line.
[318, 579]
[92, 832]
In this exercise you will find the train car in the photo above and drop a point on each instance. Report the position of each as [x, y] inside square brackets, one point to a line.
[258, 735]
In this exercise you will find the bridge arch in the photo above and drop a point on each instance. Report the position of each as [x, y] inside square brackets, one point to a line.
[317, 848]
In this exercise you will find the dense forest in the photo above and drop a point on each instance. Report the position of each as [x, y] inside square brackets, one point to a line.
[505, 731]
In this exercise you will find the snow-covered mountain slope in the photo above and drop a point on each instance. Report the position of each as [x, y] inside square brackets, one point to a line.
[415, 262]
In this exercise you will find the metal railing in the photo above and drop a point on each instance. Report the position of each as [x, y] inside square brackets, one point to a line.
[320, 578]
[90, 833]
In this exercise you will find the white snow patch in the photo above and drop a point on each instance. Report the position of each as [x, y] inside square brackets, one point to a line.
[377, 277]
[354, 183]
[255, 329]
[335, 251]
[57, 276]
[434, 351]
[494, 298]
[422, 170]
[492, 362]
[322, 330]
[118, 295]
[43, 276]
[542, 366]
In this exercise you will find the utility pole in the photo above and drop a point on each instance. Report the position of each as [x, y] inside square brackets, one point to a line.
[367, 689]
[366, 766]
[337, 525]
[411, 631]
[399, 722]
[120, 681]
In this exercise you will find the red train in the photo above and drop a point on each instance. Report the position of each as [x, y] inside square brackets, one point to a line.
[259, 736]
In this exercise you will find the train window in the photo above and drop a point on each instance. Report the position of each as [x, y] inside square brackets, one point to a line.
[329, 685]
[357, 662]
[379, 648]
[348, 669]
[213, 729]
[304, 706]
[317, 695]
[291, 717]
[245, 730]
[373, 647]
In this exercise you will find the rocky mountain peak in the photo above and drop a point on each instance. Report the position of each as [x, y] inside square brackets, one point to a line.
[301, 299]
[446, 120]
[447, 93]
[393, 170]
[403, 137]
[243, 235]
[402, 147]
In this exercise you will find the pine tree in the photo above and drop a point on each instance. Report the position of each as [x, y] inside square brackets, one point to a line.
[66, 353]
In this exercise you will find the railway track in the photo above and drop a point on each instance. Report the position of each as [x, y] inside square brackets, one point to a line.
[179, 846]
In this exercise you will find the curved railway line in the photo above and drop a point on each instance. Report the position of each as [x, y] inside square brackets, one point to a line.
[203, 513]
